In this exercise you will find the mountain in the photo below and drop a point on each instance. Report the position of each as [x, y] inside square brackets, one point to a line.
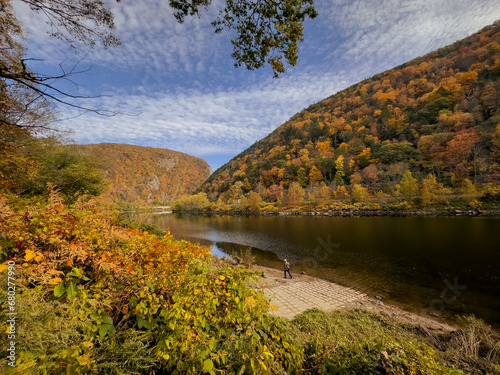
[437, 114]
[146, 175]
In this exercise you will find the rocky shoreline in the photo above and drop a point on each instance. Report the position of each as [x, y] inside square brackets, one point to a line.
[364, 213]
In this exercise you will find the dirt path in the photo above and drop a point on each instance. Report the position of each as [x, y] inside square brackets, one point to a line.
[302, 292]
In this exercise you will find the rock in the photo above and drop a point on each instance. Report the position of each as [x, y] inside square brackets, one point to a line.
[379, 298]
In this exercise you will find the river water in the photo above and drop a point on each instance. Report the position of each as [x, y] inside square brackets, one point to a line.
[441, 266]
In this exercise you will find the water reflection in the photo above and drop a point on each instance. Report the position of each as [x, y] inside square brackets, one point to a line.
[407, 260]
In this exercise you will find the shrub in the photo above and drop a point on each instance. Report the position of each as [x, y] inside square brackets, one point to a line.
[123, 300]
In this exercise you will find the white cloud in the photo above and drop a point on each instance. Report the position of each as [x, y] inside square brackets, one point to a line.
[216, 109]
[387, 33]
[150, 38]
[203, 123]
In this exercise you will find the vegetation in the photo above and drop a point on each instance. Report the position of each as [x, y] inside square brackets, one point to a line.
[360, 342]
[29, 163]
[145, 176]
[92, 296]
[115, 300]
[423, 133]
[96, 295]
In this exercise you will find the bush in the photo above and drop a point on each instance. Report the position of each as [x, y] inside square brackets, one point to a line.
[122, 300]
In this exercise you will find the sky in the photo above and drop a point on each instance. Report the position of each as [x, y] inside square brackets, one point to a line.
[175, 86]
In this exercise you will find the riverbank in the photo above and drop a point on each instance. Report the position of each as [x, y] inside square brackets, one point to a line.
[361, 212]
[338, 326]
[303, 292]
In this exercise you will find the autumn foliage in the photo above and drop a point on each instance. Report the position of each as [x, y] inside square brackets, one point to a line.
[438, 114]
[146, 175]
[116, 289]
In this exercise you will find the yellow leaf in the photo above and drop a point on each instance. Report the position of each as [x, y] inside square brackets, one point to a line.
[3, 267]
[55, 272]
[55, 281]
[222, 277]
[237, 299]
[38, 258]
[29, 255]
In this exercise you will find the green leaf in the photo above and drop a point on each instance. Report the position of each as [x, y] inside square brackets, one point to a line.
[208, 365]
[76, 272]
[59, 290]
[150, 286]
[133, 302]
[71, 290]
[107, 319]
[143, 323]
[104, 329]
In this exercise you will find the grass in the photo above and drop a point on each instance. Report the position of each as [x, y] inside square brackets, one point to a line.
[361, 342]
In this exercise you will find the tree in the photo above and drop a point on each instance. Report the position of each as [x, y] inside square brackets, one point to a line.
[315, 175]
[430, 188]
[295, 193]
[29, 164]
[358, 193]
[266, 31]
[339, 174]
[341, 192]
[391, 153]
[408, 186]
[253, 201]
[235, 191]
[370, 174]
[318, 193]
[85, 21]
[274, 193]
[468, 189]
[301, 177]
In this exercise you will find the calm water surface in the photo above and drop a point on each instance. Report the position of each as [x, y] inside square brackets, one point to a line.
[439, 265]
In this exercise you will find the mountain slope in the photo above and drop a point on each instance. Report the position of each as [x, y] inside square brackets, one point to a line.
[436, 114]
[146, 175]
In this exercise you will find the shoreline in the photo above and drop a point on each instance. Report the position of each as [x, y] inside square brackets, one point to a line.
[361, 213]
[274, 285]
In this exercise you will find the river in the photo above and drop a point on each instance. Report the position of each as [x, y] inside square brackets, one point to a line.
[441, 266]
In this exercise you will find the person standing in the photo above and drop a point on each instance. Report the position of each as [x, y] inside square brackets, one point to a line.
[287, 269]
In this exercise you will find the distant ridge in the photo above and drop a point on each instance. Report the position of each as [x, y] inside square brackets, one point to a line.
[147, 175]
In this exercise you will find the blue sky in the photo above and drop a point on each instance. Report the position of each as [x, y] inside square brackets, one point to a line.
[175, 85]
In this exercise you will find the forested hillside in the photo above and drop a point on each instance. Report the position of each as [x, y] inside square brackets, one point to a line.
[436, 118]
[146, 175]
